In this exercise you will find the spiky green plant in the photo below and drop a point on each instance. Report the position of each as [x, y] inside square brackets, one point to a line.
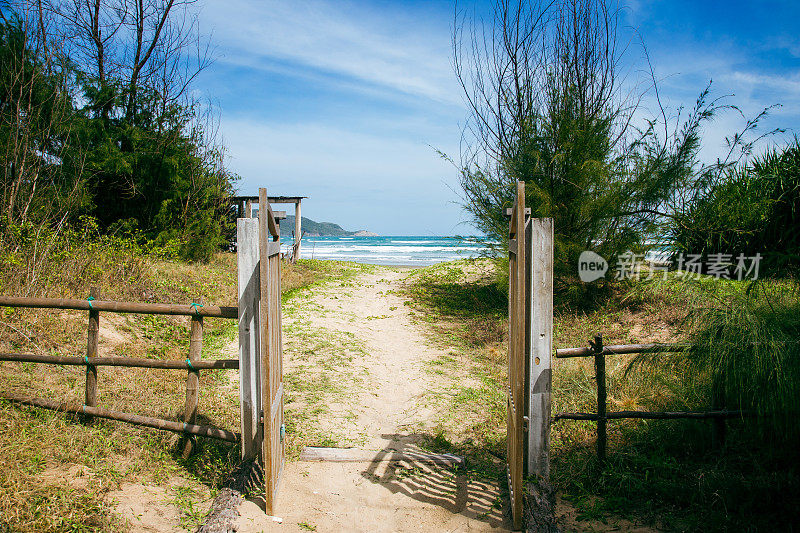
[744, 348]
[750, 210]
[749, 347]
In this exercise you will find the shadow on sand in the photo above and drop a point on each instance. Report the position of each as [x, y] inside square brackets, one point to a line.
[407, 469]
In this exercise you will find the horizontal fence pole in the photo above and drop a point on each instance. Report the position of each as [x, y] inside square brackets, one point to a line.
[612, 349]
[121, 307]
[138, 420]
[654, 415]
[120, 361]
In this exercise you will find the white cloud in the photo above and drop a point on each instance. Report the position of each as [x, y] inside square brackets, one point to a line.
[786, 86]
[366, 162]
[685, 71]
[360, 180]
[390, 50]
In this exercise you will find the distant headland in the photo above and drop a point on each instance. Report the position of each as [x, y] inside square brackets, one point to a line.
[312, 228]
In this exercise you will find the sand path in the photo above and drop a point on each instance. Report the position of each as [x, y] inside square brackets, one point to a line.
[386, 408]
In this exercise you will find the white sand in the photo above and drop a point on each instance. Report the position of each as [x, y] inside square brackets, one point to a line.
[379, 496]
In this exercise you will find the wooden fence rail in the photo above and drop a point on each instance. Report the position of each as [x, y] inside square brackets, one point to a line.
[597, 350]
[142, 308]
[130, 362]
[619, 349]
[653, 415]
[192, 364]
[138, 420]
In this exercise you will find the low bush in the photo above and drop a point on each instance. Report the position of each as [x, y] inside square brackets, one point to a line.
[751, 212]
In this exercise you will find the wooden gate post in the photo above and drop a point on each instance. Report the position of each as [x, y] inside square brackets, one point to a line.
[297, 232]
[264, 326]
[273, 449]
[540, 248]
[92, 342]
[249, 337]
[517, 282]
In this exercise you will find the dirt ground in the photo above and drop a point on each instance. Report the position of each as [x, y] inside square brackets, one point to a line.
[387, 411]
[382, 402]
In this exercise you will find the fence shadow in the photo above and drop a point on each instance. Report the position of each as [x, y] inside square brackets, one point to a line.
[457, 489]
[211, 460]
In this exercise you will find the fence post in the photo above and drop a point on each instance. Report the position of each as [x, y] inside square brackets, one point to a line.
[92, 341]
[540, 248]
[297, 232]
[265, 326]
[192, 380]
[600, 377]
[718, 424]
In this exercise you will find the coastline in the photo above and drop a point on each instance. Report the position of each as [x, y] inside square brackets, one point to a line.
[407, 251]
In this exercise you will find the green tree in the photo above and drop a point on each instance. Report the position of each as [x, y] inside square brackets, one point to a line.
[36, 126]
[156, 171]
[84, 132]
[544, 94]
[547, 108]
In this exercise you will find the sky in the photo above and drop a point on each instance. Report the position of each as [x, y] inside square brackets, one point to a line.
[351, 102]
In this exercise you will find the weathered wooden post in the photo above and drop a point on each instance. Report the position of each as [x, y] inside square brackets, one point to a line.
[517, 318]
[249, 336]
[193, 377]
[718, 424]
[273, 450]
[540, 248]
[92, 342]
[600, 378]
[248, 208]
[265, 348]
[297, 232]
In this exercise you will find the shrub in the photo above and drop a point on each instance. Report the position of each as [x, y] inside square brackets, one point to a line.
[755, 210]
[38, 260]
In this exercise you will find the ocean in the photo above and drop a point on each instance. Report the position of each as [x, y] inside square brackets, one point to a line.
[397, 250]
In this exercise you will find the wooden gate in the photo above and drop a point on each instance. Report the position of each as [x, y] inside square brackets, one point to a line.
[261, 345]
[530, 320]
[517, 296]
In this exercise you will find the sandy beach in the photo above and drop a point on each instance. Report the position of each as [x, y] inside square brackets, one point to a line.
[389, 407]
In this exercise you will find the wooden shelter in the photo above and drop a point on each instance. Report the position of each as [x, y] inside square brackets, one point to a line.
[244, 209]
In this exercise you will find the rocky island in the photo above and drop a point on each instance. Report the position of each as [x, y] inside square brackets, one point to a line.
[312, 228]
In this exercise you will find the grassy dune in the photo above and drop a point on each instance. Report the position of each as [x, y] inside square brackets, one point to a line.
[664, 473]
[56, 472]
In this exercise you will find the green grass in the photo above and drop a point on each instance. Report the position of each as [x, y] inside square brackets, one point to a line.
[664, 473]
[33, 442]
[322, 372]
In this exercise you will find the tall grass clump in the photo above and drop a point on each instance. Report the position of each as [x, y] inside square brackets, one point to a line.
[748, 345]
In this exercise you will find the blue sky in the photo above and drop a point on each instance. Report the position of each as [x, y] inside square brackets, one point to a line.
[346, 102]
